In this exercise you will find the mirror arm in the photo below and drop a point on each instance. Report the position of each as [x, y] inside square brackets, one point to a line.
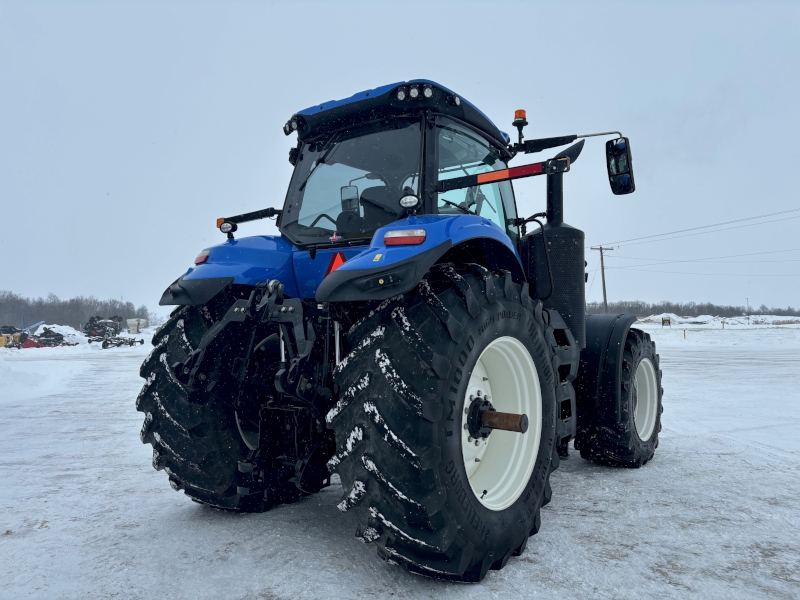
[533, 146]
[586, 135]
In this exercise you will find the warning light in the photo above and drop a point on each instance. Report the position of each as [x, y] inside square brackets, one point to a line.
[520, 121]
[337, 260]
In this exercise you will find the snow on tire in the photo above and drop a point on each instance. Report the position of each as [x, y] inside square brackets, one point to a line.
[399, 424]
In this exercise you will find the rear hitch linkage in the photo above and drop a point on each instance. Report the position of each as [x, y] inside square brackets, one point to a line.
[264, 305]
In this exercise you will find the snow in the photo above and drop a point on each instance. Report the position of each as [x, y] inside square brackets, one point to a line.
[715, 514]
[71, 335]
[716, 322]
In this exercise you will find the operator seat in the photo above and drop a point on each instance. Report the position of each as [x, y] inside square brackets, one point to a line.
[381, 207]
[349, 222]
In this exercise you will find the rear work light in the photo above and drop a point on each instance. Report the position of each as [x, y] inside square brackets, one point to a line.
[337, 260]
[202, 257]
[404, 237]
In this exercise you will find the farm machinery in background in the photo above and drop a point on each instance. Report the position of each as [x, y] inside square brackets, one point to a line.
[107, 332]
[97, 328]
[13, 337]
[406, 332]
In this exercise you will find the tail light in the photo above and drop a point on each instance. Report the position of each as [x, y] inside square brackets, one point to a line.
[337, 260]
[404, 237]
[202, 257]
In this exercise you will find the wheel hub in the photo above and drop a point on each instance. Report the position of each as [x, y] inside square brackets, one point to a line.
[475, 412]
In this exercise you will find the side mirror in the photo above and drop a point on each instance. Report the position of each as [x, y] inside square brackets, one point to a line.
[620, 166]
[349, 195]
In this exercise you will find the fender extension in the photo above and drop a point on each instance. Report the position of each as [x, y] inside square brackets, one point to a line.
[193, 292]
[352, 285]
[600, 370]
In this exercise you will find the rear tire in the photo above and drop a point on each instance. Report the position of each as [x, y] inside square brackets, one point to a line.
[399, 418]
[624, 432]
[195, 437]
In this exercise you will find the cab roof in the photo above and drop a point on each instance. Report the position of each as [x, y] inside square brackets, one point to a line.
[385, 101]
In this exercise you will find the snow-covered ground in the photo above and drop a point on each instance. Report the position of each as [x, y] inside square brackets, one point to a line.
[715, 515]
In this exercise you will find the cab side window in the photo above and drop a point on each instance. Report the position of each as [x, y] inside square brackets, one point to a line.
[462, 152]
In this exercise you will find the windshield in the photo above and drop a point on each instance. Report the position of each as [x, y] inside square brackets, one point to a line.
[348, 185]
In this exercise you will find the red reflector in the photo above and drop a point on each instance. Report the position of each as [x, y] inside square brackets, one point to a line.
[404, 237]
[202, 257]
[337, 260]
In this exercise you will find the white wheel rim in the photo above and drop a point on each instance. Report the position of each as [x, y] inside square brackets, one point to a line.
[645, 388]
[505, 372]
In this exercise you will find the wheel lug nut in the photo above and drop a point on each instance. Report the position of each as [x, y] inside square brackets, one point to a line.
[466, 426]
[469, 438]
[477, 442]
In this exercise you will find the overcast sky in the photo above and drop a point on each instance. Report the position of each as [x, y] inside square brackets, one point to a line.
[127, 128]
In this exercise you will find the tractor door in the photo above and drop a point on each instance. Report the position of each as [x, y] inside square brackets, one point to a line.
[461, 151]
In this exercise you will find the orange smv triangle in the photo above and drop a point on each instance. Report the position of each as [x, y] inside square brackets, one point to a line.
[337, 260]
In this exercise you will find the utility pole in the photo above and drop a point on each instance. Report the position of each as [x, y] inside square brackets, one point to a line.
[748, 310]
[603, 274]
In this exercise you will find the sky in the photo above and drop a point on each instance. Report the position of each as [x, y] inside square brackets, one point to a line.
[126, 129]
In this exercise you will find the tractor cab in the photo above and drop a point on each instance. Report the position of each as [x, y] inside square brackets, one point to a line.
[377, 157]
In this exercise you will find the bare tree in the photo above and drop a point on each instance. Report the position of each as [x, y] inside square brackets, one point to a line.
[16, 309]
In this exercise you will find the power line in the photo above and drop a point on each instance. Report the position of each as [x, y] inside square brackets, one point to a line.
[711, 257]
[711, 274]
[704, 232]
[721, 262]
[591, 285]
[783, 212]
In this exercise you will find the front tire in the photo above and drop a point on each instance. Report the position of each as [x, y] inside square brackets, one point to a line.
[406, 467]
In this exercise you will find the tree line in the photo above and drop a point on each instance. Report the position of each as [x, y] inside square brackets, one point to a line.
[686, 309]
[74, 312]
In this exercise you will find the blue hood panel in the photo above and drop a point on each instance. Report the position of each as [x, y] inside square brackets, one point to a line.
[249, 261]
[253, 260]
[310, 273]
[439, 229]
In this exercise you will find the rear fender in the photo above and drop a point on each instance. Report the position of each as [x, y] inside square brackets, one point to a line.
[382, 271]
[245, 261]
[600, 370]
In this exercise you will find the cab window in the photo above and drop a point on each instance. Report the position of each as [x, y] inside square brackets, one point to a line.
[462, 152]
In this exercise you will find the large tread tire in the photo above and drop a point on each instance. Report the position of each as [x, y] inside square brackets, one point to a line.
[195, 437]
[612, 438]
[397, 423]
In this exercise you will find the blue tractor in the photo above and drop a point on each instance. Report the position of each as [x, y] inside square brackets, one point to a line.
[404, 331]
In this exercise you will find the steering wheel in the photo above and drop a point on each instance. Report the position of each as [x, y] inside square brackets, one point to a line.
[319, 217]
